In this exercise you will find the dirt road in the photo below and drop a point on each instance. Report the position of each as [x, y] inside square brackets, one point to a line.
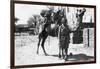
[26, 46]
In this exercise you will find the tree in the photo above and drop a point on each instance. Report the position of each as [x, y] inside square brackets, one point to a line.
[30, 22]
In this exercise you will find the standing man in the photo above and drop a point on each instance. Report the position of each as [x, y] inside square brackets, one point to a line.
[64, 39]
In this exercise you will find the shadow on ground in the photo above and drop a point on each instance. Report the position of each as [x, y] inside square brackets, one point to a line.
[81, 56]
[77, 57]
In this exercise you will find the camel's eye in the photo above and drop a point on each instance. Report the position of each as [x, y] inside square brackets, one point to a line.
[79, 10]
[76, 15]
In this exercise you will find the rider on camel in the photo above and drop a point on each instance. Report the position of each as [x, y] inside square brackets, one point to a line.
[48, 17]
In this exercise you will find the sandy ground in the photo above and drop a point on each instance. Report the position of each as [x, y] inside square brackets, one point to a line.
[26, 46]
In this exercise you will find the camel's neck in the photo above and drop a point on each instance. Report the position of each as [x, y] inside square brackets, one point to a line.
[74, 20]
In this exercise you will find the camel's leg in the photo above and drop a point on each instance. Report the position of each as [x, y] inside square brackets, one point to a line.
[59, 51]
[38, 44]
[60, 47]
[43, 41]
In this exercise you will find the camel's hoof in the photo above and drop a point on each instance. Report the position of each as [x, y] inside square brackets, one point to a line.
[59, 56]
[71, 54]
[37, 53]
[66, 58]
[46, 54]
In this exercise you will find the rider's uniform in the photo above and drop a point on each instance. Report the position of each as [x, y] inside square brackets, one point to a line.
[48, 18]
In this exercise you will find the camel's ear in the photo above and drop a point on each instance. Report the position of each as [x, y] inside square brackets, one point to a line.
[84, 9]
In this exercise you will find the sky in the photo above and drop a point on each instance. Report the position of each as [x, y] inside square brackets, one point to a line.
[25, 11]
